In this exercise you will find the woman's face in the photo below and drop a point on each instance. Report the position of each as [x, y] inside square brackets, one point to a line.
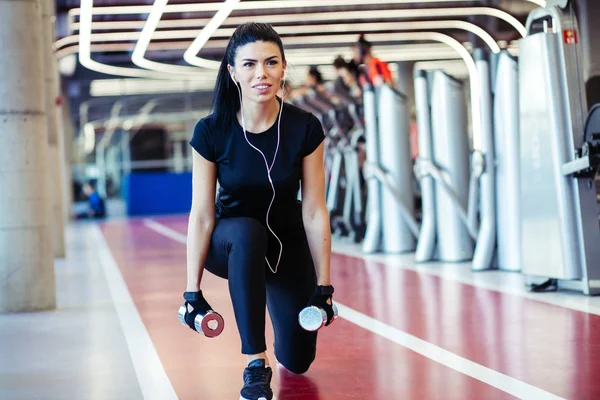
[259, 69]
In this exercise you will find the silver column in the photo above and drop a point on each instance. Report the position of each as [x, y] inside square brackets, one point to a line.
[426, 243]
[395, 161]
[451, 155]
[486, 239]
[506, 127]
[406, 82]
[372, 240]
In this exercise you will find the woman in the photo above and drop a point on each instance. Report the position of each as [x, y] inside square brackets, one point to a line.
[258, 235]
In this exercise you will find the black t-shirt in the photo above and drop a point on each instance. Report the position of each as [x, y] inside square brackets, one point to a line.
[245, 190]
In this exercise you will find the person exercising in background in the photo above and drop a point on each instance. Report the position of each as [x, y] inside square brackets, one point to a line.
[97, 208]
[314, 81]
[273, 249]
[377, 71]
[346, 78]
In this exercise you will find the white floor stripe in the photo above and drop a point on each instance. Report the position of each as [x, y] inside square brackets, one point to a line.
[165, 230]
[152, 377]
[572, 300]
[577, 302]
[493, 378]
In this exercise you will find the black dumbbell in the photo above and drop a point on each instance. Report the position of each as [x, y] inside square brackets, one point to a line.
[201, 318]
[313, 318]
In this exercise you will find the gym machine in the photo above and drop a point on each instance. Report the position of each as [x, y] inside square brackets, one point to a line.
[447, 233]
[459, 210]
[388, 172]
[506, 146]
[353, 209]
[459, 213]
[344, 129]
[559, 157]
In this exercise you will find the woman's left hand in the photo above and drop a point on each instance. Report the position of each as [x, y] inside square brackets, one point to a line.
[322, 298]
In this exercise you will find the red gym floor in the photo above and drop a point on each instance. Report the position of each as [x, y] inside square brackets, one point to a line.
[479, 343]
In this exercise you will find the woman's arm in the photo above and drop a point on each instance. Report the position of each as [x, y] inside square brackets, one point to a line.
[315, 215]
[202, 219]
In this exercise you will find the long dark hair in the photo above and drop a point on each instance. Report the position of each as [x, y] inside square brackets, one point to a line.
[226, 101]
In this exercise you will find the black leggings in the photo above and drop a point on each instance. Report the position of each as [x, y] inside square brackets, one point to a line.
[237, 253]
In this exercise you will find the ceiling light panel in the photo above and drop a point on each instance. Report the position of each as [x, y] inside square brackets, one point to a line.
[85, 57]
[253, 5]
[370, 14]
[221, 17]
[139, 59]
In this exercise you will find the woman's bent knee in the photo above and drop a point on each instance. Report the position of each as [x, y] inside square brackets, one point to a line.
[248, 232]
[297, 365]
[297, 369]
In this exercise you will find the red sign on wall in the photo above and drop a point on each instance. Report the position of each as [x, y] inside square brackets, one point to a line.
[570, 36]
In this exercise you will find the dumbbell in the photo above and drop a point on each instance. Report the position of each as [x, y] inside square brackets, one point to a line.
[313, 318]
[206, 321]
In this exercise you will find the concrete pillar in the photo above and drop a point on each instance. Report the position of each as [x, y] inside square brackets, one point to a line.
[66, 127]
[26, 263]
[56, 152]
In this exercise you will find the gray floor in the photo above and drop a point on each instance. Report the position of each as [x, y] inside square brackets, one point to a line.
[76, 352]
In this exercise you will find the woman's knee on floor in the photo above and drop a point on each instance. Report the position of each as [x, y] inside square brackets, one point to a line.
[297, 355]
[298, 363]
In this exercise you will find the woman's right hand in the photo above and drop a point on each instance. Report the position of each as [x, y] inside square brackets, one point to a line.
[197, 301]
[199, 316]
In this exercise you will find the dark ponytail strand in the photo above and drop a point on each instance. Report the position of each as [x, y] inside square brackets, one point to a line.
[226, 100]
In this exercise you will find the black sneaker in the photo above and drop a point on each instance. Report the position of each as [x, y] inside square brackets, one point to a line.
[257, 381]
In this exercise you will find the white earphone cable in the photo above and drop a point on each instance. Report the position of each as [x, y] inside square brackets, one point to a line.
[269, 168]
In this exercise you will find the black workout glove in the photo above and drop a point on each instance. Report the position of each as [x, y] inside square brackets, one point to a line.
[322, 298]
[199, 306]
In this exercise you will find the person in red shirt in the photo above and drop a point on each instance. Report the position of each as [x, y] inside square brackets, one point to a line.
[377, 72]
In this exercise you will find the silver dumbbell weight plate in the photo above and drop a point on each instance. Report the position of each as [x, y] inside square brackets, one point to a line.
[181, 315]
[314, 318]
[210, 324]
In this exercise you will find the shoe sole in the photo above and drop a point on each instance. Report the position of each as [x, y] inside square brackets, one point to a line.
[260, 398]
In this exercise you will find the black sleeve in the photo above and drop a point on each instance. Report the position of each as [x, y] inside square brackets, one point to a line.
[201, 141]
[314, 135]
